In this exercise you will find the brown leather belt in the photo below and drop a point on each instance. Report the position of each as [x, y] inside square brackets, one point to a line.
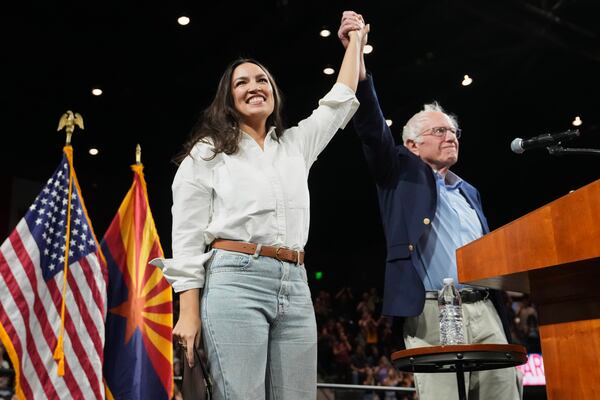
[280, 253]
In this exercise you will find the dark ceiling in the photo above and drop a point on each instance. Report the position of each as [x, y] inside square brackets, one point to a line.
[535, 66]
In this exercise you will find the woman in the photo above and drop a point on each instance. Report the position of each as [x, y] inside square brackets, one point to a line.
[240, 222]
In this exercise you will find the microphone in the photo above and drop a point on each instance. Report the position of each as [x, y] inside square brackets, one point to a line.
[519, 145]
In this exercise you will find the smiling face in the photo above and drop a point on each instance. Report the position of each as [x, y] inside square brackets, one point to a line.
[439, 152]
[252, 93]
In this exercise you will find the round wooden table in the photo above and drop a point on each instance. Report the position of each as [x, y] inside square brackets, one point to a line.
[459, 359]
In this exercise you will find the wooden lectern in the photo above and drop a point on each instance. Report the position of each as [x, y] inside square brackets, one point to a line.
[553, 253]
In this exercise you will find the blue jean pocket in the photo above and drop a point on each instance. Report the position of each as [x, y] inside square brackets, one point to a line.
[229, 261]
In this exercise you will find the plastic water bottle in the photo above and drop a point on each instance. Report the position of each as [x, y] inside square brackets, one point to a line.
[451, 320]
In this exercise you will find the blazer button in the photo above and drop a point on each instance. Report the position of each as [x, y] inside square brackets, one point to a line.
[411, 247]
[426, 221]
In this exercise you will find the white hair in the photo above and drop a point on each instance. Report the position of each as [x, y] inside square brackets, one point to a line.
[414, 126]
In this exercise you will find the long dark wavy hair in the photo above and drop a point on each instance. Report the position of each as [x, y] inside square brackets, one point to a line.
[220, 122]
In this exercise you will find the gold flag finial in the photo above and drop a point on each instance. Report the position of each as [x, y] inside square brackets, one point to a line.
[138, 154]
[68, 121]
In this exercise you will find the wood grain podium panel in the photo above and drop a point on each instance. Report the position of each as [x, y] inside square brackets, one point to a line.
[571, 362]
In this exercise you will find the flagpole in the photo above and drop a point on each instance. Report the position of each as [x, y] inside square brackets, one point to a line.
[68, 121]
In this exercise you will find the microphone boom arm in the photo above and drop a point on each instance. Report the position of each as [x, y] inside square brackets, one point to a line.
[560, 151]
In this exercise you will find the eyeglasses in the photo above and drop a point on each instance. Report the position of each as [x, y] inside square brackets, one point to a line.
[440, 131]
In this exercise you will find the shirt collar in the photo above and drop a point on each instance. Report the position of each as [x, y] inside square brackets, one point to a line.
[272, 133]
[451, 181]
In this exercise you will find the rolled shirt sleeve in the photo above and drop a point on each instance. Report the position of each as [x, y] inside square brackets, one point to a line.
[192, 201]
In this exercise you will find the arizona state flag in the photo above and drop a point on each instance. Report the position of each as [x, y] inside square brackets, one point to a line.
[138, 354]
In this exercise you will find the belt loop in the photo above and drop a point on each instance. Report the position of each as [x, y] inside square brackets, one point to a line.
[298, 257]
[257, 251]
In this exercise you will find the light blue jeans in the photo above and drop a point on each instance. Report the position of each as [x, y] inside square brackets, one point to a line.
[259, 329]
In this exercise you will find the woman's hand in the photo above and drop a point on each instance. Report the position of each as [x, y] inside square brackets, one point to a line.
[352, 22]
[187, 329]
[361, 35]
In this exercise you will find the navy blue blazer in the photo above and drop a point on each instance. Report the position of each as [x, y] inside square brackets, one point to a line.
[407, 197]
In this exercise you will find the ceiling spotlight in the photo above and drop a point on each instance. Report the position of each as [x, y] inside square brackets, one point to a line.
[97, 91]
[93, 151]
[389, 122]
[183, 20]
[325, 32]
[577, 121]
[328, 71]
[368, 49]
[467, 80]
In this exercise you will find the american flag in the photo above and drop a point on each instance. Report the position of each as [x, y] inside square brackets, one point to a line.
[32, 275]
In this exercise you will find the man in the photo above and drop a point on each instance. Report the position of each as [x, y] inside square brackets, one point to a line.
[427, 213]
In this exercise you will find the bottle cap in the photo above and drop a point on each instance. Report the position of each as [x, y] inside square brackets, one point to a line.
[448, 281]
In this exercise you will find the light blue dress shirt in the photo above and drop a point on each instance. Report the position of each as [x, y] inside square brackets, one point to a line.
[454, 225]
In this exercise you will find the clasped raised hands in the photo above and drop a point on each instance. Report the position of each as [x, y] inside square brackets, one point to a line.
[353, 24]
